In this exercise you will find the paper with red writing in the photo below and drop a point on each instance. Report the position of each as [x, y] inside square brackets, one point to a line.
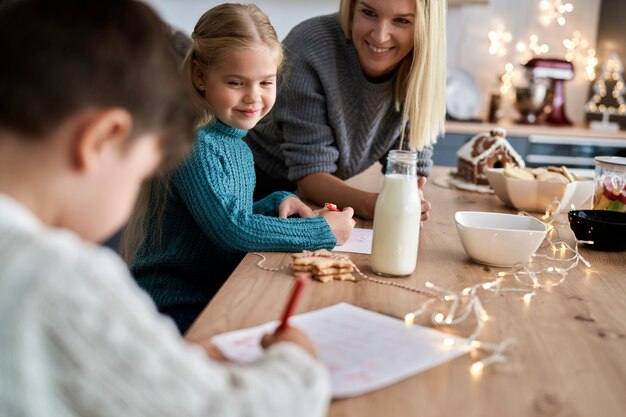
[360, 241]
[363, 350]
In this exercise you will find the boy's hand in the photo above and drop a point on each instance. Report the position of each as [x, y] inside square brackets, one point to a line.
[290, 334]
[291, 206]
[211, 350]
[341, 223]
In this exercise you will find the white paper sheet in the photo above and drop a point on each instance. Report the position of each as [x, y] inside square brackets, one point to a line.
[363, 350]
[360, 242]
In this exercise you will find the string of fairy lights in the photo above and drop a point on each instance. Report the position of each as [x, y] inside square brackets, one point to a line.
[609, 87]
[554, 10]
[547, 268]
[611, 73]
[576, 48]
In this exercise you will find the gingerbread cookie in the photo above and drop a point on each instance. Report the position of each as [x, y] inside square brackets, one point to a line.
[537, 171]
[322, 266]
[562, 170]
[551, 176]
[518, 173]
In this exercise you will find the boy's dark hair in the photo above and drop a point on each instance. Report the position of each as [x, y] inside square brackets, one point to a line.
[60, 57]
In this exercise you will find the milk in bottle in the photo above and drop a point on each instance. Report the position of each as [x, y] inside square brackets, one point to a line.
[397, 218]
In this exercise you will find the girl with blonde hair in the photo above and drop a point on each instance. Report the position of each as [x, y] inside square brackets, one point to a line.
[356, 84]
[195, 235]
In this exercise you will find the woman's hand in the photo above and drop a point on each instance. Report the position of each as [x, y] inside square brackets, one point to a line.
[322, 187]
[426, 206]
[292, 206]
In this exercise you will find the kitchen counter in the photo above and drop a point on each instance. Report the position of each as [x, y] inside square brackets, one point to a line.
[514, 129]
[573, 146]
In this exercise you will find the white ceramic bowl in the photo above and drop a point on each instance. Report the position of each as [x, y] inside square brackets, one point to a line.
[536, 195]
[498, 239]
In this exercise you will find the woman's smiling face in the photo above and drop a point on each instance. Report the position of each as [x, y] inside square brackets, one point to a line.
[382, 32]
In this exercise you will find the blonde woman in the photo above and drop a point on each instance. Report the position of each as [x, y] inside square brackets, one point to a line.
[355, 85]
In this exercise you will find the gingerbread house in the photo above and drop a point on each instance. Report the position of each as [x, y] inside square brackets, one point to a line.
[483, 151]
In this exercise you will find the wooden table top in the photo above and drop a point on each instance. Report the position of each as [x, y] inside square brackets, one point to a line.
[570, 356]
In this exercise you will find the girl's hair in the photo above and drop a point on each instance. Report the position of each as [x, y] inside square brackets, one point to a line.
[421, 77]
[219, 32]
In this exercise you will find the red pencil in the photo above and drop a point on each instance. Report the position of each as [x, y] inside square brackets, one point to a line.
[293, 301]
[333, 207]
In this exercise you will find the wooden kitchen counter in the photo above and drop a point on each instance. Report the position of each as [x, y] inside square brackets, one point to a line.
[570, 356]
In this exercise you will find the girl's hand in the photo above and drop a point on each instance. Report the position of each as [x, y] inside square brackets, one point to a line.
[426, 206]
[291, 206]
[341, 223]
[290, 334]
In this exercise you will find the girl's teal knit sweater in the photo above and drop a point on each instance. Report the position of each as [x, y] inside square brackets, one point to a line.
[210, 222]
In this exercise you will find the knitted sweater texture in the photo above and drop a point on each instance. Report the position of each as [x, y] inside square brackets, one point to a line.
[210, 222]
[328, 117]
[79, 338]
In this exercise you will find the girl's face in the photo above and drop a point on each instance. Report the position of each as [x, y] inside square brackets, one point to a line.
[242, 89]
[382, 32]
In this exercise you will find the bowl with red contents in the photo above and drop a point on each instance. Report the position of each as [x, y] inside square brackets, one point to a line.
[605, 228]
[610, 183]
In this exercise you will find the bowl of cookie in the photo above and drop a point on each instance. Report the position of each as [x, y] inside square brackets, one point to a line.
[534, 189]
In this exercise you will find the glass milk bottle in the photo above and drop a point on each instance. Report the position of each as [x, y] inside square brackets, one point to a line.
[397, 218]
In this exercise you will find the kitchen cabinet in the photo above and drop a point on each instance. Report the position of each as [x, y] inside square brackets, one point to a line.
[539, 145]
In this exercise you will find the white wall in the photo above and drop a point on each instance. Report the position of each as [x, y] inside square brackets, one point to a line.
[468, 27]
[468, 44]
[284, 14]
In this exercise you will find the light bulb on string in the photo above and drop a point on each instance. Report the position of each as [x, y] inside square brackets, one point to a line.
[498, 40]
[554, 10]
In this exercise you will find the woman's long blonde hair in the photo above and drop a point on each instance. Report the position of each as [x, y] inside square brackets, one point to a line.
[421, 77]
[220, 31]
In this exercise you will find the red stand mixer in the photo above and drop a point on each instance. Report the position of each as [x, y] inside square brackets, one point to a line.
[549, 108]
